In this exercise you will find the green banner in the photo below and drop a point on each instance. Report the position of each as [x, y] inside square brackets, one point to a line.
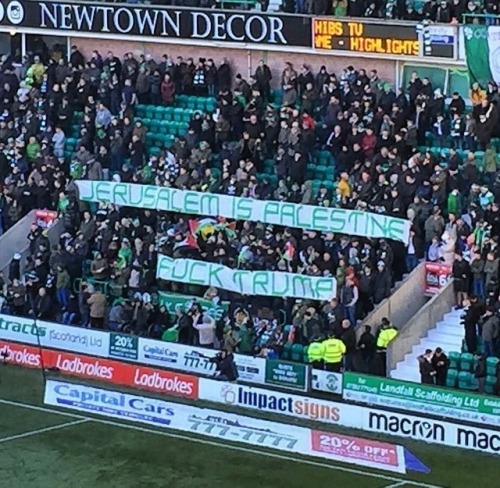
[171, 300]
[288, 375]
[123, 346]
[444, 402]
[477, 53]
[338, 220]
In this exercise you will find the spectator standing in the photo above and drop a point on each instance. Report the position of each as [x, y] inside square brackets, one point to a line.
[461, 278]
[315, 352]
[334, 350]
[490, 329]
[349, 340]
[349, 296]
[366, 345]
[440, 363]
[63, 286]
[387, 333]
[427, 371]
[97, 302]
[167, 90]
[206, 330]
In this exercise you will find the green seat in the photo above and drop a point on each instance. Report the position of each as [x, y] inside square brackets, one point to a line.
[168, 141]
[187, 115]
[321, 171]
[159, 111]
[491, 366]
[466, 381]
[211, 105]
[466, 362]
[489, 384]
[178, 114]
[297, 353]
[191, 103]
[154, 151]
[164, 127]
[454, 358]
[328, 185]
[140, 110]
[181, 100]
[452, 378]
[286, 352]
[150, 112]
[201, 103]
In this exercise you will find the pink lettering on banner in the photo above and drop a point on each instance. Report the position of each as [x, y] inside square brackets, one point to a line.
[365, 452]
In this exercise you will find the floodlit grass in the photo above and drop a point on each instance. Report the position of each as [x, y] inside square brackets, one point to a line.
[44, 449]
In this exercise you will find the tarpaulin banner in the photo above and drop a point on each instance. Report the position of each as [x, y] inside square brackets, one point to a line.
[267, 283]
[338, 220]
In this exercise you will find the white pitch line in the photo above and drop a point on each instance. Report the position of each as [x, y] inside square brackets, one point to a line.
[395, 485]
[42, 431]
[197, 440]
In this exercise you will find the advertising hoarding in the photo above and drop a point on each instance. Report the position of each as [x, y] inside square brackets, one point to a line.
[444, 402]
[109, 19]
[225, 426]
[118, 373]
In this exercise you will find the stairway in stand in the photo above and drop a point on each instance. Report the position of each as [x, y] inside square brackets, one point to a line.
[447, 334]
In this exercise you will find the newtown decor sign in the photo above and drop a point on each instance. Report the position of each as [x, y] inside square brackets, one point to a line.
[108, 19]
[338, 220]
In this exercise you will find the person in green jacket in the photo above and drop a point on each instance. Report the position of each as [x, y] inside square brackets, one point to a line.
[32, 149]
[63, 203]
[63, 285]
[246, 339]
[454, 204]
[490, 163]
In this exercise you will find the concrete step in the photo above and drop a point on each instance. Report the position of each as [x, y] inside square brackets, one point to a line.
[407, 374]
[443, 335]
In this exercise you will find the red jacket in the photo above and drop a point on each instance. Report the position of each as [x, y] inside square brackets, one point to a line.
[368, 145]
[167, 91]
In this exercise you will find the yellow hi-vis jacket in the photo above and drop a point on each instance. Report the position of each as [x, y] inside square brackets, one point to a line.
[334, 350]
[385, 337]
[315, 351]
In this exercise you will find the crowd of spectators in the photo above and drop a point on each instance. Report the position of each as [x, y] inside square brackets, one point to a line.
[443, 11]
[101, 272]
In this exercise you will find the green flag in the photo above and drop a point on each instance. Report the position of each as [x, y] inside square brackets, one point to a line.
[477, 53]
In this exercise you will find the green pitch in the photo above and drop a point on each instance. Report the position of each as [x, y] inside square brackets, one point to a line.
[41, 447]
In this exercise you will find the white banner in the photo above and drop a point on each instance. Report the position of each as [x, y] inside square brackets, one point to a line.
[223, 425]
[296, 406]
[326, 381]
[353, 222]
[268, 283]
[55, 336]
[433, 431]
[196, 359]
[352, 416]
